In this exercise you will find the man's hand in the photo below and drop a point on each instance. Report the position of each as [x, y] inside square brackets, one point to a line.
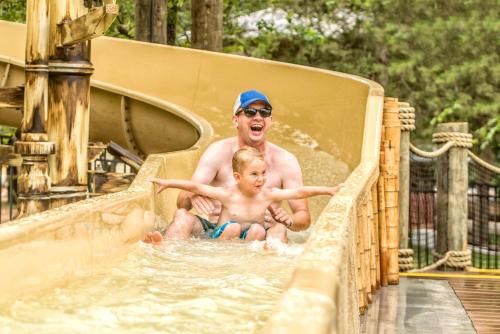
[280, 216]
[202, 204]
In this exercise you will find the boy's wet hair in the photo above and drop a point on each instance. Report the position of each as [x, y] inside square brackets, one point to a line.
[245, 155]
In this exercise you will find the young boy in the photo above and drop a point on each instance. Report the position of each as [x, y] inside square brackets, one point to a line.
[245, 203]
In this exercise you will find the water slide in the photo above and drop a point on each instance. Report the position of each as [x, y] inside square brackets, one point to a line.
[168, 104]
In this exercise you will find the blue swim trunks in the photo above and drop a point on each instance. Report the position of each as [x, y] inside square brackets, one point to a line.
[208, 227]
[218, 230]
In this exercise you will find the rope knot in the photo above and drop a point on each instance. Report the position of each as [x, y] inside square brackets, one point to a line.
[406, 116]
[405, 259]
[455, 259]
[459, 138]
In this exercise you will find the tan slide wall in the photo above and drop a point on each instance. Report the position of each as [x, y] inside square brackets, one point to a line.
[343, 113]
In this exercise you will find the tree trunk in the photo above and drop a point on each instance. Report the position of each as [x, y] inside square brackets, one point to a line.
[173, 8]
[206, 30]
[150, 21]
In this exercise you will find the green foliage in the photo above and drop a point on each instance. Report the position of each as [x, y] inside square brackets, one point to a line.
[440, 55]
[124, 25]
[6, 132]
[13, 10]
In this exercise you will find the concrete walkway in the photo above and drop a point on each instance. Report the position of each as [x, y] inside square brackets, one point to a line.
[416, 306]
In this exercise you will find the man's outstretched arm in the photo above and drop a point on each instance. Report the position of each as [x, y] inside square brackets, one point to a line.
[292, 178]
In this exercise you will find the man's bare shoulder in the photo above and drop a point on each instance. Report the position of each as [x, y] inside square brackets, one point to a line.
[221, 147]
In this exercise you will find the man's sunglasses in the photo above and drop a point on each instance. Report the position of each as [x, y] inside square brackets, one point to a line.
[251, 112]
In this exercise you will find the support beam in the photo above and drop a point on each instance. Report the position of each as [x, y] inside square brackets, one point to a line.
[12, 97]
[5, 75]
[89, 26]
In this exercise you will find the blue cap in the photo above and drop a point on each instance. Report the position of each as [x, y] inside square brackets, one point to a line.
[247, 98]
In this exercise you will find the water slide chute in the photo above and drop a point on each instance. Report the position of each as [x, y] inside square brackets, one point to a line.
[169, 103]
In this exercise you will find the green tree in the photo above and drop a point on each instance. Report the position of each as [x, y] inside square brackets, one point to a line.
[13, 10]
[440, 55]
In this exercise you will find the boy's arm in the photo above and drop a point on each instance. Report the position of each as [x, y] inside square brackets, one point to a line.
[205, 173]
[276, 194]
[217, 193]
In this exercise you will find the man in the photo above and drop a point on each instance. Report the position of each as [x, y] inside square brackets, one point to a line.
[252, 119]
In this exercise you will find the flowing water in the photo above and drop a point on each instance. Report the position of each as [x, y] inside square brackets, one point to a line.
[193, 286]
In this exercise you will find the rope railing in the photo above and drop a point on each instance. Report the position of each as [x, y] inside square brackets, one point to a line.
[453, 259]
[452, 254]
[451, 139]
[434, 154]
[450, 165]
[483, 163]
[448, 136]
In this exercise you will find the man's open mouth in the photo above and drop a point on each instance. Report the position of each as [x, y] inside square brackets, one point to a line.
[256, 128]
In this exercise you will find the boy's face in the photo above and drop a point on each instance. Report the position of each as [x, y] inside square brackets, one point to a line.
[252, 176]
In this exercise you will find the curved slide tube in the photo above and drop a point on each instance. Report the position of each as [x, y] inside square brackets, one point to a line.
[154, 100]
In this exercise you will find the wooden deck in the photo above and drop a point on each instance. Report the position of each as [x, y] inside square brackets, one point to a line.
[481, 300]
[479, 293]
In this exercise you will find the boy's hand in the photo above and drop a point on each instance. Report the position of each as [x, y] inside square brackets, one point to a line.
[336, 189]
[162, 184]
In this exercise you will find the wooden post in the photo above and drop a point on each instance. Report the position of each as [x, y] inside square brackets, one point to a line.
[457, 190]
[362, 298]
[442, 204]
[366, 254]
[33, 181]
[72, 26]
[407, 118]
[377, 231]
[206, 28]
[68, 121]
[382, 232]
[390, 171]
[407, 125]
[373, 248]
